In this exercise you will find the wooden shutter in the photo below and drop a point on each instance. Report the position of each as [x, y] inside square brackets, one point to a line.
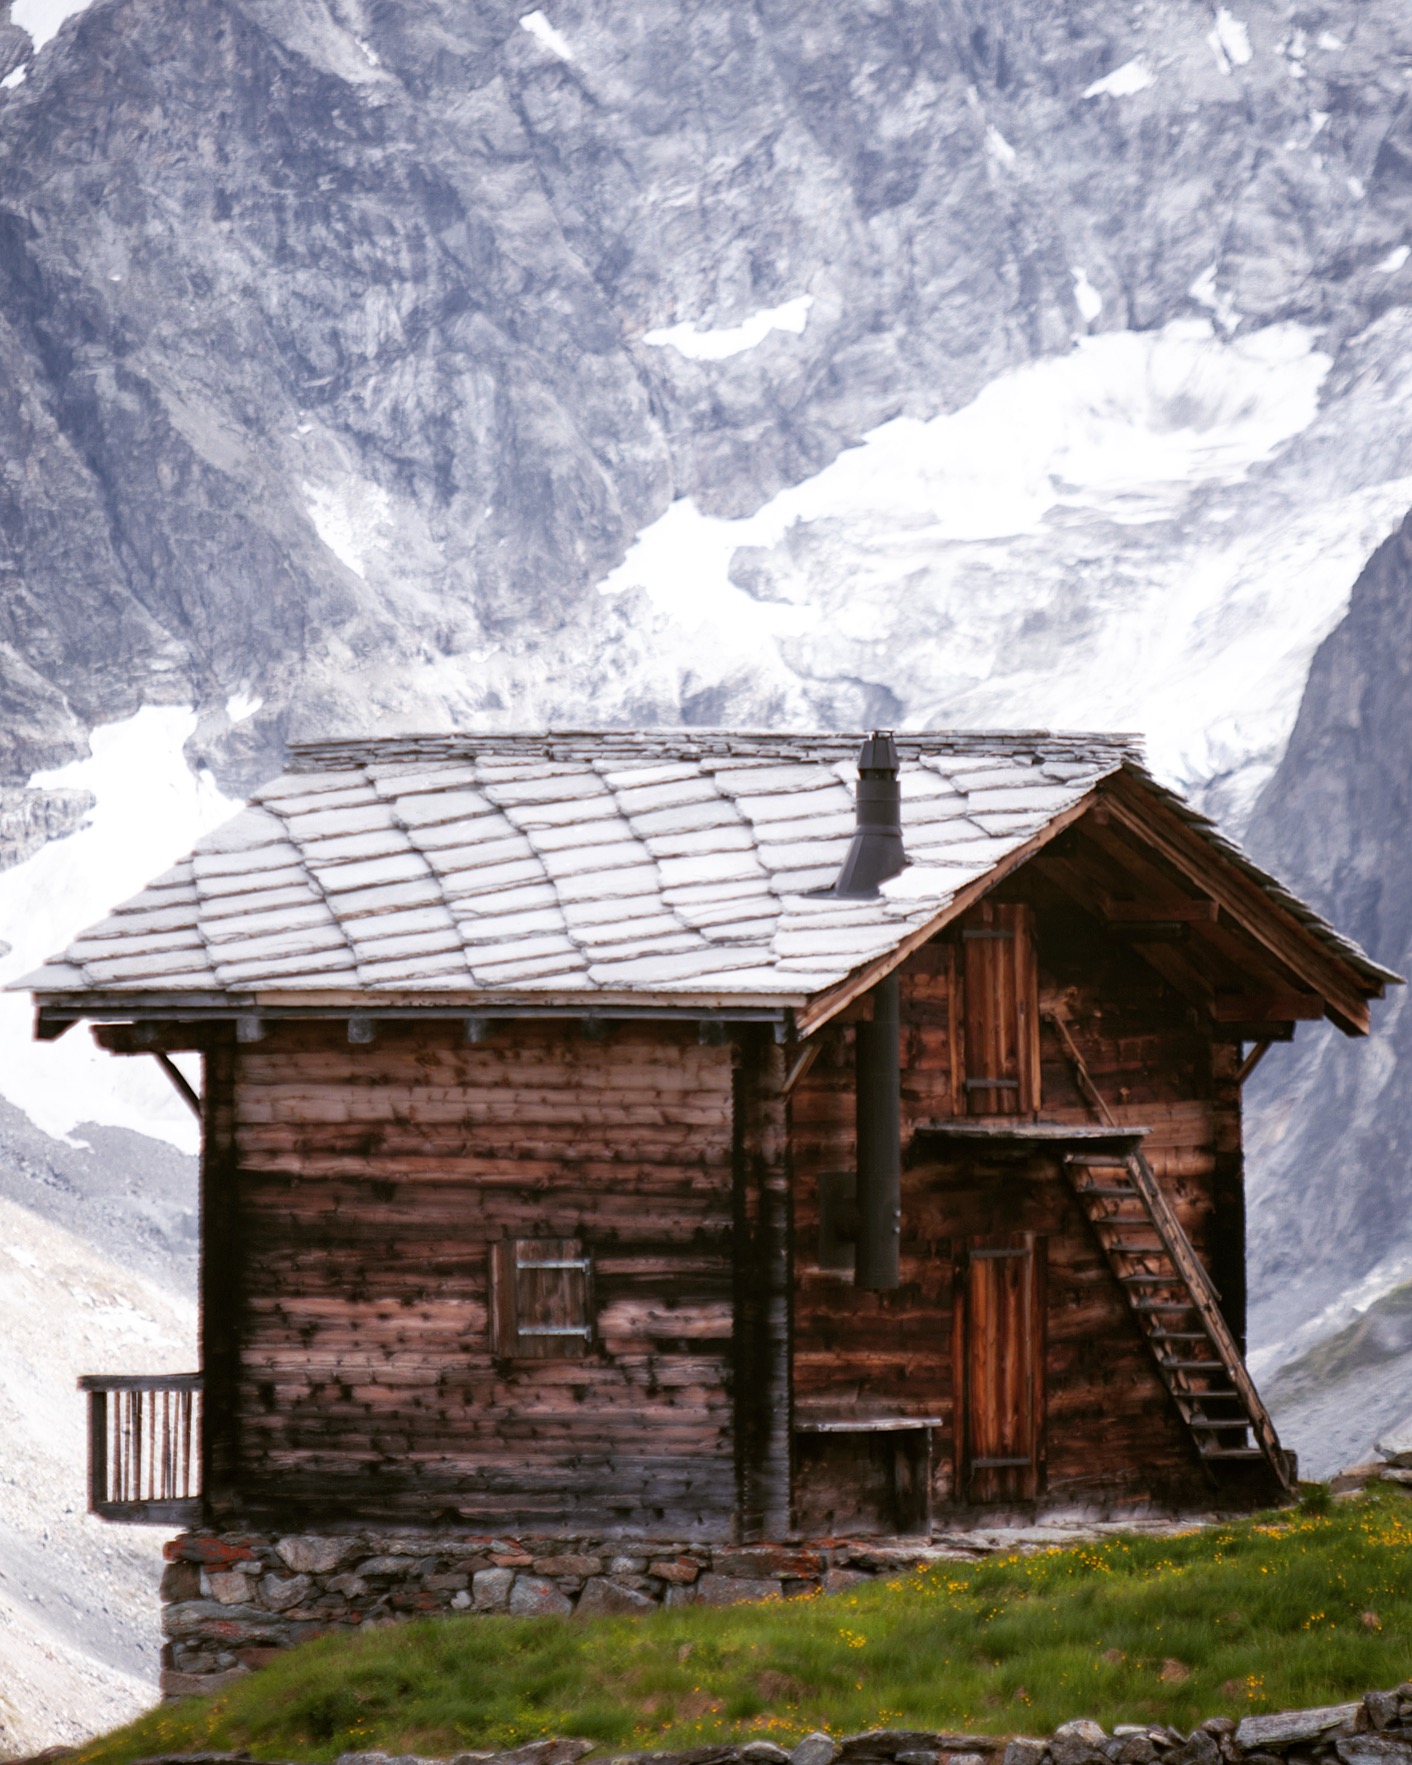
[1001, 1010]
[540, 1298]
[999, 1366]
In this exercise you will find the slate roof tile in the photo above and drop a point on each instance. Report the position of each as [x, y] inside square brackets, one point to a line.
[672, 863]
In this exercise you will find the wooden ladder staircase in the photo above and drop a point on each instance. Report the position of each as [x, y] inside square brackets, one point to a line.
[1178, 1310]
[1172, 1297]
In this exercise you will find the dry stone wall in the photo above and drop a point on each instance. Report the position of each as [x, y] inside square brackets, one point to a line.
[233, 1600]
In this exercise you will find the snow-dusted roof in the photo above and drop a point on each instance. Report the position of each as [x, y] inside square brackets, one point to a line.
[577, 867]
[618, 864]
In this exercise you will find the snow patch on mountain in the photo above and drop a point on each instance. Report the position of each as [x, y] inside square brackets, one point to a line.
[151, 808]
[1092, 541]
[352, 518]
[539, 27]
[718, 346]
[1133, 76]
[42, 18]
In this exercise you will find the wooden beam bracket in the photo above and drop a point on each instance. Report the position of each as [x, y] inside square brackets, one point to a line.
[178, 1078]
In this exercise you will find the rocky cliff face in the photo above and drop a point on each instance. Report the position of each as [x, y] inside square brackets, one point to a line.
[1330, 1134]
[330, 376]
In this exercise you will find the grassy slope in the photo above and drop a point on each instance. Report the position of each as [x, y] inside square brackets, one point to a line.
[1298, 1608]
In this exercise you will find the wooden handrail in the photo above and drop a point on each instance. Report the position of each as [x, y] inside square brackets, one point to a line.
[144, 1446]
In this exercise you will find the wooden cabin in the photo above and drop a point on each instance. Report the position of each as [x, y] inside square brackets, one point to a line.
[699, 1135]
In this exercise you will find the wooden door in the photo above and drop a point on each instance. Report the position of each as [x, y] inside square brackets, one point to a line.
[1000, 987]
[1000, 1351]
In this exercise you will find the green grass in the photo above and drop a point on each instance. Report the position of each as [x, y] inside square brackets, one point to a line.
[1308, 1606]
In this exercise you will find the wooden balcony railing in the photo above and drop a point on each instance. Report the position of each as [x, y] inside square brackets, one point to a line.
[144, 1447]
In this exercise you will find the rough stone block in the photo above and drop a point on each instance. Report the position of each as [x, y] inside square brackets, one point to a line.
[1024, 1750]
[210, 1623]
[175, 1684]
[885, 1559]
[814, 1749]
[681, 1570]
[386, 1565]
[538, 1752]
[1081, 1728]
[447, 1583]
[309, 1555]
[763, 1752]
[678, 1569]
[280, 1592]
[627, 1565]
[1071, 1750]
[534, 1597]
[181, 1581]
[1373, 1749]
[1136, 1749]
[1288, 1727]
[1198, 1749]
[490, 1588]
[601, 1596]
[209, 1551]
[228, 1586]
[417, 1600]
[715, 1589]
[679, 1596]
[569, 1564]
[757, 1560]
[352, 1587]
[877, 1744]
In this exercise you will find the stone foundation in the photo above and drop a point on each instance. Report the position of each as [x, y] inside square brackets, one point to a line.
[232, 1600]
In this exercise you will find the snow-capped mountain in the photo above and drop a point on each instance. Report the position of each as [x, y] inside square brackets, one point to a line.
[369, 366]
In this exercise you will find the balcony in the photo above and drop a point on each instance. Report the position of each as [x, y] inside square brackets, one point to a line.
[144, 1447]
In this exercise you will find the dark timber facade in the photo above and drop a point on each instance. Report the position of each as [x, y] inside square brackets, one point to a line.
[563, 1265]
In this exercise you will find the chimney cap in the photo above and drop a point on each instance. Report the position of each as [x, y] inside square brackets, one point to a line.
[878, 753]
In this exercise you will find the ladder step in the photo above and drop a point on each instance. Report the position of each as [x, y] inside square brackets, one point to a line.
[1121, 1246]
[1194, 1367]
[1230, 1452]
[1210, 1422]
[1147, 1280]
[1127, 1193]
[1177, 1336]
[1162, 1305]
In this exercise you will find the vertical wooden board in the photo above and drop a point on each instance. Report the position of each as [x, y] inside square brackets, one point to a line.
[1025, 957]
[1002, 1348]
[221, 1323]
[550, 1297]
[1001, 1009]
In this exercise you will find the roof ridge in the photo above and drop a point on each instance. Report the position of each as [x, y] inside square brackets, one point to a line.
[336, 754]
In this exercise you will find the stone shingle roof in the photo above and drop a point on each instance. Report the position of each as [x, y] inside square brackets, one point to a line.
[613, 863]
[674, 865]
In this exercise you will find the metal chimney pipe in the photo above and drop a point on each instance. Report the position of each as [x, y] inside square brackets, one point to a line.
[876, 852]
[879, 1094]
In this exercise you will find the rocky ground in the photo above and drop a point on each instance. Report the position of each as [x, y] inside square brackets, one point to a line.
[1376, 1730]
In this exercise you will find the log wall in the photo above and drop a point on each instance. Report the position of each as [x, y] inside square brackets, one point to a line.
[372, 1182]
[1112, 1433]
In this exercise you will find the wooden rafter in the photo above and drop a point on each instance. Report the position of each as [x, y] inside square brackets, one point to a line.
[1151, 823]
